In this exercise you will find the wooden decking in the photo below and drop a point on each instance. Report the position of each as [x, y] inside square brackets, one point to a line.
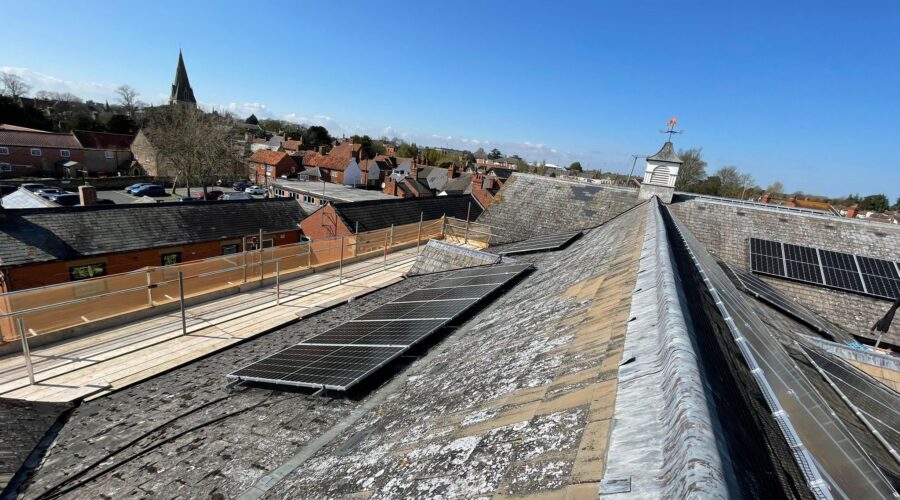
[96, 364]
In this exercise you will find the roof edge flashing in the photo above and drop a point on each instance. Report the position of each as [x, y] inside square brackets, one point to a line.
[663, 438]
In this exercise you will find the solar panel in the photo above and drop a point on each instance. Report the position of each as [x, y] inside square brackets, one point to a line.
[330, 366]
[342, 356]
[802, 263]
[397, 333]
[841, 271]
[544, 242]
[766, 257]
[880, 276]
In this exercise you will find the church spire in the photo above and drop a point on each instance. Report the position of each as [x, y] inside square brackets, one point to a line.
[181, 89]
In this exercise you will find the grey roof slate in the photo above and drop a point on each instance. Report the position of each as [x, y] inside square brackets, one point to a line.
[380, 214]
[666, 153]
[30, 236]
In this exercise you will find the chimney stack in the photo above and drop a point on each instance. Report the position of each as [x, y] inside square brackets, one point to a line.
[451, 171]
[852, 212]
[87, 195]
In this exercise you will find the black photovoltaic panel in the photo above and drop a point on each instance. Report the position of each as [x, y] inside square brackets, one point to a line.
[419, 310]
[880, 276]
[395, 333]
[766, 257]
[329, 366]
[545, 242]
[342, 356]
[841, 271]
[866, 275]
[802, 263]
[765, 292]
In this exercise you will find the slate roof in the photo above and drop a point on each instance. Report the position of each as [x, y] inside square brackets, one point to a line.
[379, 214]
[29, 236]
[104, 140]
[38, 139]
[459, 185]
[666, 153]
[181, 87]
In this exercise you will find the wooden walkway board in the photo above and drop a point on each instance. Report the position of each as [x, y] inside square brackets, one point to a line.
[96, 364]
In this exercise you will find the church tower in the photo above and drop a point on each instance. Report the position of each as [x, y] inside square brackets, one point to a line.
[662, 170]
[182, 92]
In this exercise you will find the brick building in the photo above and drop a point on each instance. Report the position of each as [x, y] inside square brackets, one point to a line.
[265, 166]
[105, 152]
[341, 165]
[26, 153]
[46, 246]
[344, 219]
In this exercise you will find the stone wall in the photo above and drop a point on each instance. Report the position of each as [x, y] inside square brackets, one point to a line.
[529, 205]
[438, 256]
[725, 229]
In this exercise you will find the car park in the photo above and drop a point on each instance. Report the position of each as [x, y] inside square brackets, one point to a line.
[211, 195]
[48, 192]
[66, 199]
[237, 195]
[35, 187]
[150, 190]
[130, 189]
[256, 190]
[240, 186]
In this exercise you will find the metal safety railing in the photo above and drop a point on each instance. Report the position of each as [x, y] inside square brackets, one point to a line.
[53, 308]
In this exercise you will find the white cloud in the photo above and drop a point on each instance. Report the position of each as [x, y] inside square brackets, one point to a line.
[86, 90]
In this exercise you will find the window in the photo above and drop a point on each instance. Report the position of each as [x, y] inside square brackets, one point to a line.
[64, 153]
[168, 259]
[4, 150]
[308, 199]
[109, 155]
[35, 151]
[230, 249]
[5, 167]
[87, 271]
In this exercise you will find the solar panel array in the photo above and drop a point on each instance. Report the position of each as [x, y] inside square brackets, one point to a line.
[843, 271]
[346, 354]
[765, 292]
[544, 242]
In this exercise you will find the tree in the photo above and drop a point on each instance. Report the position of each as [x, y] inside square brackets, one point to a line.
[121, 124]
[48, 95]
[775, 188]
[896, 205]
[23, 116]
[370, 147]
[14, 86]
[84, 121]
[192, 145]
[252, 120]
[128, 98]
[495, 154]
[576, 166]
[874, 203]
[316, 136]
[408, 150]
[692, 171]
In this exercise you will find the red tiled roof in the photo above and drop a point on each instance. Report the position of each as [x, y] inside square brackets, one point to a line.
[38, 139]
[292, 145]
[268, 157]
[104, 140]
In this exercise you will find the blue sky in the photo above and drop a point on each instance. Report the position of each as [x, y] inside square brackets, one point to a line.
[801, 92]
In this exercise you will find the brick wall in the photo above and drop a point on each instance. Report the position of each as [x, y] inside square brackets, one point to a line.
[323, 224]
[23, 164]
[725, 230]
[50, 273]
[528, 205]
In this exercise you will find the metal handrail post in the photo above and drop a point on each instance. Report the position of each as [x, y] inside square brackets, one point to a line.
[385, 248]
[356, 240]
[261, 265]
[149, 288]
[26, 352]
[278, 282]
[245, 264]
[181, 300]
[341, 264]
[419, 236]
[468, 213]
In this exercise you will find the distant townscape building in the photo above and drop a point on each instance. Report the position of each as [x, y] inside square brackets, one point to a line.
[28, 152]
[182, 93]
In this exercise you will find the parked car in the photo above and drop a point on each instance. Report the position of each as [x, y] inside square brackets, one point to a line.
[66, 199]
[211, 195]
[35, 187]
[130, 189]
[5, 189]
[256, 190]
[150, 190]
[48, 192]
[237, 195]
[240, 186]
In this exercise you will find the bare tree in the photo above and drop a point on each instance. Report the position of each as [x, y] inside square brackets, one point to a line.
[191, 145]
[775, 188]
[693, 170]
[14, 86]
[128, 98]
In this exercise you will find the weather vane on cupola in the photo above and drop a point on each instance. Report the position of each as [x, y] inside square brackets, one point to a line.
[672, 122]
